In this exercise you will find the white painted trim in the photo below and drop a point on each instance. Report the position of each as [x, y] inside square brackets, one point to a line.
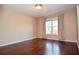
[17, 41]
[32, 39]
[78, 44]
[69, 41]
[63, 40]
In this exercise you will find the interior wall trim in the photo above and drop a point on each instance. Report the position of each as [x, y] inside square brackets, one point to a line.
[60, 40]
[32, 39]
[17, 41]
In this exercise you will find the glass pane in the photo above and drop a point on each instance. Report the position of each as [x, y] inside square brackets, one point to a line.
[48, 27]
[55, 27]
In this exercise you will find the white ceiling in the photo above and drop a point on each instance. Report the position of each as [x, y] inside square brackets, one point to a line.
[47, 9]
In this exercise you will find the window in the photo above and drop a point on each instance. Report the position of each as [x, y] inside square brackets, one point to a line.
[52, 26]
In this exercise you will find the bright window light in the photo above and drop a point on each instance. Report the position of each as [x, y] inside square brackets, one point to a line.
[52, 26]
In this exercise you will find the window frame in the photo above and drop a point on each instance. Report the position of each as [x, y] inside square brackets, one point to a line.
[51, 19]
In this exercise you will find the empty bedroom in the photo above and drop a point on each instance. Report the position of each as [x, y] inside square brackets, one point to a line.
[39, 29]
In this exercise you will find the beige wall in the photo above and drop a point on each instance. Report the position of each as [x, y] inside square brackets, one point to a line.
[41, 27]
[70, 28]
[1, 22]
[78, 24]
[16, 27]
[70, 25]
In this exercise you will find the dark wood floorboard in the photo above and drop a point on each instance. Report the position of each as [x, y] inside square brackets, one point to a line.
[40, 47]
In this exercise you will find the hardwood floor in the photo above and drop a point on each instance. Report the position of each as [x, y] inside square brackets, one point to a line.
[40, 47]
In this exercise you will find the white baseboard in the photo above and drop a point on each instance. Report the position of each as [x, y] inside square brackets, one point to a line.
[17, 41]
[74, 41]
[30, 39]
[69, 41]
[78, 44]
